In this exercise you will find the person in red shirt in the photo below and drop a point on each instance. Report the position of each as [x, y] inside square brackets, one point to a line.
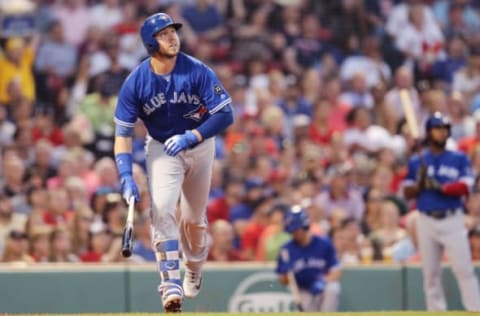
[250, 237]
[45, 128]
[222, 246]
[58, 208]
[469, 143]
[102, 247]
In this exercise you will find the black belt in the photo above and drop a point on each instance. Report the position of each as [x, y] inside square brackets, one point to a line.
[441, 214]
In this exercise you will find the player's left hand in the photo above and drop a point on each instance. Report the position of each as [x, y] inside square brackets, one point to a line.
[177, 143]
[317, 287]
[432, 184]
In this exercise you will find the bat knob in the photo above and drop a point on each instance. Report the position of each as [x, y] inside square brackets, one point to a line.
[126, 253]
[127, 242]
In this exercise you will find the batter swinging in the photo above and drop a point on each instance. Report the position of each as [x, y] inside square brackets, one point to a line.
[183, 106]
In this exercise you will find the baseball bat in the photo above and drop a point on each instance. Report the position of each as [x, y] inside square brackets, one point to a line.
[127, 238]
[409, 112]
[292, 284]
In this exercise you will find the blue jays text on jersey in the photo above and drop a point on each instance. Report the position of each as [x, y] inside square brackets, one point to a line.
[171, 104]
[446, 167]
[308, 263]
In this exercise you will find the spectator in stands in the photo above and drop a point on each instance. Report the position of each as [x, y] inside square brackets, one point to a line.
[420, 40]
[250, 237]
[45, 127]
[369, 62]
[474, 239]
[463, 125]
[7, 128]
[16, 64]
[443, 70]
[105, 14]
[472, 219]
[457, 17]
[467, 79]
[206, 20]
[306, 48]
[56, 58]
[113, 215]
[339, 194]
[98, 107]
[58, 212]
[80, 231]
[37, 199]
[273, 236]
[142, 245]
[357, 94]
[102, 246]
[9, 220]
[403, 79]
[74, 17]
[222, 243]
[389, 232]
[371, 220]
[67, 167]
[469, 143]
[40, 246]
[61, 246]
[42, 167]
[16, 248]
[77, 193]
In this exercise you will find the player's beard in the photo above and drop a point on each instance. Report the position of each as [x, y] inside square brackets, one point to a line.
[169, 53]
[440, 144]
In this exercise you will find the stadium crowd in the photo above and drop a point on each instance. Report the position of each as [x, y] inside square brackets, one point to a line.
[319, 122]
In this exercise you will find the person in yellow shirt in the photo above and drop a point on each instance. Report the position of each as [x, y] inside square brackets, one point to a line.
[16, 64]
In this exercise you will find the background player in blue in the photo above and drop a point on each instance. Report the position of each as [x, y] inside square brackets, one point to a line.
[438, 178]
[313, 261]
[183, 106]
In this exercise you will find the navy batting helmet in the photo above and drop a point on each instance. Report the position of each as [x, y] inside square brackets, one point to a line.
[437, 119]
[152, 25]
[296, 218]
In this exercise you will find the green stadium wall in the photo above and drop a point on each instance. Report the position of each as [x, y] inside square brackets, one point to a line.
[234, 287]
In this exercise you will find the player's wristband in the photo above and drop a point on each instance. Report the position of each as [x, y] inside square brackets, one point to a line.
[455, 189]
[124, 164]
[198, 135]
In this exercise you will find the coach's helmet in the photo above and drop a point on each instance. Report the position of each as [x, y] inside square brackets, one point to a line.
[152, 25]
[296, 218]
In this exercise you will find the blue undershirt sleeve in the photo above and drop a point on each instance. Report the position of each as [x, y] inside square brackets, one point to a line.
[216, 123]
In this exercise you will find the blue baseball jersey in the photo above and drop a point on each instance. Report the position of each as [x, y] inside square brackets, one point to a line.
[170, 104]
[309, 263]
[446, 167]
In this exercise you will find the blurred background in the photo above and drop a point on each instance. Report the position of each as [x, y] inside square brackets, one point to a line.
[315, 88]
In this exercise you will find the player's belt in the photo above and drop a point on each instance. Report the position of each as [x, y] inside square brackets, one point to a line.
[441, 214]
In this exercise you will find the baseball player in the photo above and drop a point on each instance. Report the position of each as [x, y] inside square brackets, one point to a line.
[314, 264]
[438, 178]
[183, 106]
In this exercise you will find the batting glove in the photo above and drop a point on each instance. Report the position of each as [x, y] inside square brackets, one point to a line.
[129, 188]
[317, 287]
[177, 143]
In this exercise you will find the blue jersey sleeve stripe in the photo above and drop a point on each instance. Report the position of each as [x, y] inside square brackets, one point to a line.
[407, 182]
[337, 266]
[469, 182]
[220, 106]
[123, 123]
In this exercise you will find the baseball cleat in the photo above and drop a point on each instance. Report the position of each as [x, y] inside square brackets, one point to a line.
[192, 281]
[172, 297]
